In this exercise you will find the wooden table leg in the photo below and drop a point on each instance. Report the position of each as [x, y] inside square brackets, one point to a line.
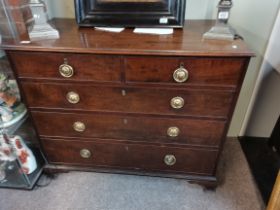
[274, 201]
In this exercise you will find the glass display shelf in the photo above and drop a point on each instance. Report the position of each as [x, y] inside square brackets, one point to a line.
[13, 175]
[21, 160]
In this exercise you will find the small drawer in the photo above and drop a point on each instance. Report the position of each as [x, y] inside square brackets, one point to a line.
[186, 102]
[130, 156]
[188, 71]
[67, 66]
[134, 128]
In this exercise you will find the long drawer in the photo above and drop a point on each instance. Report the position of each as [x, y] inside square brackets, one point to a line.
[135, 128]
[183, 102]
[201, 71]
[130, 156]
[85, 67]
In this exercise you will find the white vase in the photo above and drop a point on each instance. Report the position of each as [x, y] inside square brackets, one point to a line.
[24, 154]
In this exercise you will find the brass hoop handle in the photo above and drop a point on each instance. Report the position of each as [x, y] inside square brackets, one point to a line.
[177, 102]
[73, 97]
[66, 70]
[170, 160]
[79, 126]
[173, 131]
[181, 74]
[85, 153]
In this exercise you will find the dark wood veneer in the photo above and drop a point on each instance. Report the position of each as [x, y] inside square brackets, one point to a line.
[220, 71]
[208, 103]
[132, 156]
[184, 42]
[125, 85]
[134, 128]
[42, 65]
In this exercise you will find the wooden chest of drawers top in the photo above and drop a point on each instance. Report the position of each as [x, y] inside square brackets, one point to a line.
[184, 42]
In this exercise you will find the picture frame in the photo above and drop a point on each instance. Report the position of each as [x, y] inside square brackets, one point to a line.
[130, 13]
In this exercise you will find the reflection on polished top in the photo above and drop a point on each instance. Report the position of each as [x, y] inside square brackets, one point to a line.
[183, 42]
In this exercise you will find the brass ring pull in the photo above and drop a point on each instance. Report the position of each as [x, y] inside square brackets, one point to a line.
[73, 97]
[169, 160]
[66, 70]
[177, 102]
[173, 131]
[79, 126]
[181, 75]
[85, 153]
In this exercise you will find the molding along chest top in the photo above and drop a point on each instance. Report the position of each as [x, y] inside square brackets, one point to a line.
[155, 105]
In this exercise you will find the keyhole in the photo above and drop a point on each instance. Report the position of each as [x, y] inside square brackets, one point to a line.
[123, 93]
[65, 61]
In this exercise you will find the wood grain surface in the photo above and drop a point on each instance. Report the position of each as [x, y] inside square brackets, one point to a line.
[202, 71]
[274, 201]
[135, 128]
[86, 67]
[200, 103]
[125, 85]
[183, 42]
[131, 156]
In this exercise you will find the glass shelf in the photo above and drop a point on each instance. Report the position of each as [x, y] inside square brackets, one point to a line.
[15, 178]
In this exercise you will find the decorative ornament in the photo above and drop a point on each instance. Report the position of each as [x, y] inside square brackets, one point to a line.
[222, 30]
[41, 29]
[12, 148]
[11, 109]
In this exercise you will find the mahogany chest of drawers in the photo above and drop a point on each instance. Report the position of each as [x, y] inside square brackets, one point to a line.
[155, 105]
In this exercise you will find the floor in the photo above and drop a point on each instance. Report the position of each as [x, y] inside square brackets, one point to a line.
[97, 191]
